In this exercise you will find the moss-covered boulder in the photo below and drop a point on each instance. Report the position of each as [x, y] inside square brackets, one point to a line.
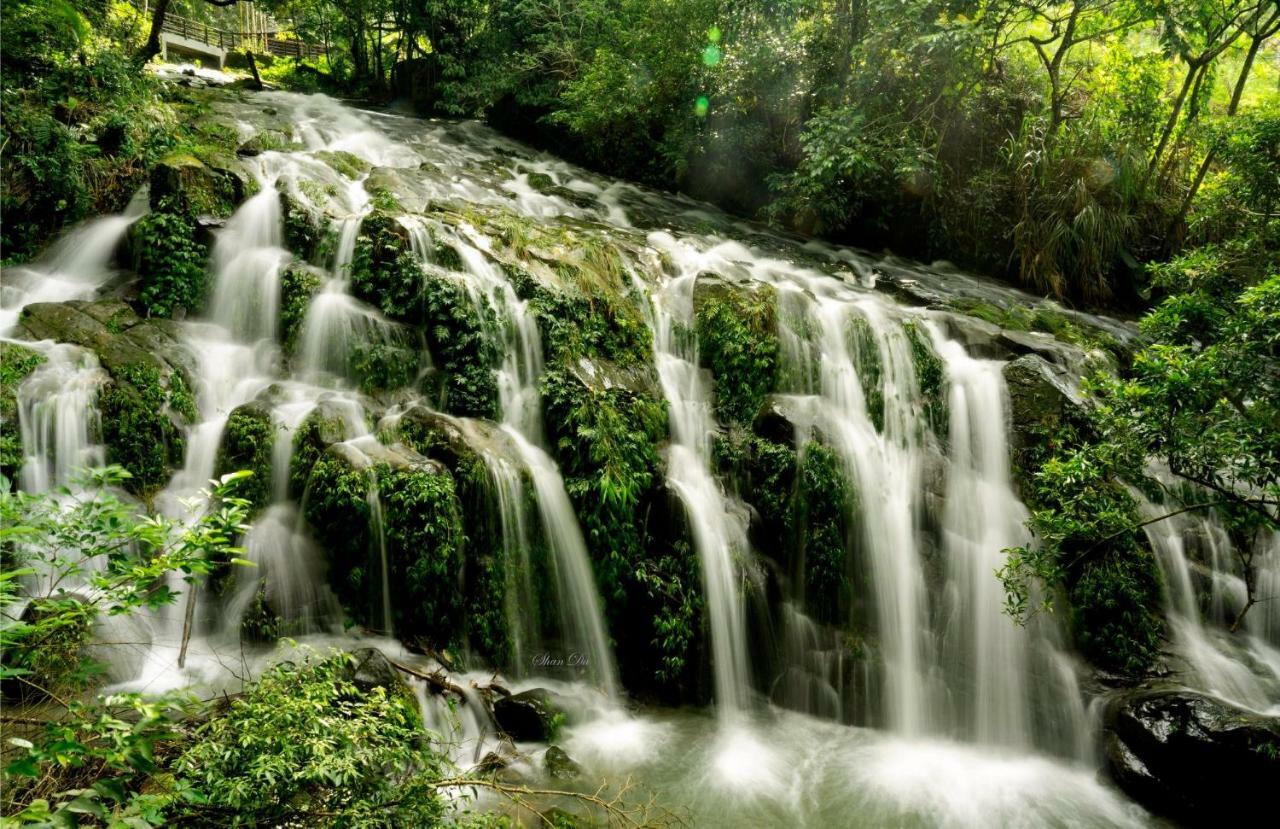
[247, 443]
[184, 181]
[148, 402]
[267, 140]
[1041, 403]
[16, 364]
[298, 285]
[736, 326]
[371, 505]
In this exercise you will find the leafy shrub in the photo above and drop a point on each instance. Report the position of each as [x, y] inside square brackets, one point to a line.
[304, 744]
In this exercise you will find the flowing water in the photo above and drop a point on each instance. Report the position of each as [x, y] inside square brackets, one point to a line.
[952, 716]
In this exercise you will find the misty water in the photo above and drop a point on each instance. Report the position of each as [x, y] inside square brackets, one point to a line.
[961, 718]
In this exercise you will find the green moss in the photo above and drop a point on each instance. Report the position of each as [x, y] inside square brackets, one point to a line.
[305, 233]
[460, 348]
[824, 501]
[384, 199]
[140, 425]
[423, 535]
[297, 287]
[424, 547]
[259, 623]
[316, 433]
[247, 442]
[170, 260]
[931, 377]
[344, 162]
[385, 366]
[605, 440]
[866, 355]
[738, 342]
[16, 363]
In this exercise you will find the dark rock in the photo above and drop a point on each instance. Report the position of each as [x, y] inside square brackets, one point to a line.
[530, 716]
[560, 765]
[1039, 398]
[372, 669]
[1193, 758]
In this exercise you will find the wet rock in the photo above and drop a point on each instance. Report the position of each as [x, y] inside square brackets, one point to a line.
[533, 716]
[1040, 399]
[265, 141]
[148, 401]
[196, 187]
[1193, 758]
[560, 765]
[372, 669]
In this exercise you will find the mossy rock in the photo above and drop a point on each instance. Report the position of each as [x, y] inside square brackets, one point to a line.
[148, 401]
[247, 442]
[267, 141]
[298, 285]
[307, 234]
[421, 529]
[931, 379]
[348, 164]
[183, 179]
[16, 364]
[736, 327]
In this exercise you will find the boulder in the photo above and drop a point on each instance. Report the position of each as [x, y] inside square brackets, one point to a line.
[195, 186]
[371, 669]
[1191, 757]
[1040, 398]
[560, 765]
[532, 716]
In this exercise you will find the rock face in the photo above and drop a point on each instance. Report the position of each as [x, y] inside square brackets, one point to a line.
[531, 716]
[148, 401]
[1191, 757]
[1040, 400]
[560, 765]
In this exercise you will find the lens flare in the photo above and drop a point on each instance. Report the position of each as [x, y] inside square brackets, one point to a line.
[701, 106]
[711, 54]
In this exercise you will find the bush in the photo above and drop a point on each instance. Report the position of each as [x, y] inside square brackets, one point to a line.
[305, 745]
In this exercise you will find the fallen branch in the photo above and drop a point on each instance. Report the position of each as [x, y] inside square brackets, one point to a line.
[435, 679]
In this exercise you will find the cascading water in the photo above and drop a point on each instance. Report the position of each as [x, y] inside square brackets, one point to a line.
[966, 696]
[718, 528]
[515, 331]
[1246, 674]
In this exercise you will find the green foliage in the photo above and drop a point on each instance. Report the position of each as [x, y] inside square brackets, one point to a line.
[823, 503]
[141, 412]
[247, 442]
[171, 262]
[420, 534]
[460, 348]
[1182, 404]
[738, 342]
[298, 285]
[91, 536]
[424, 541]
[606, 440]
[305, 744]
[931, 376]
[16, 363]
[1088, 543]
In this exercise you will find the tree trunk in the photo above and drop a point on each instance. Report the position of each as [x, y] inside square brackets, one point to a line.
[1192, 70]
[152, 47]
[1255, 45]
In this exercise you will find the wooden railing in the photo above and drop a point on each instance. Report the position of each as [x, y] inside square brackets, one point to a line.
[231, 40]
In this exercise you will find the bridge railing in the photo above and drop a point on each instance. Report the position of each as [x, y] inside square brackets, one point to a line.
[227, 39]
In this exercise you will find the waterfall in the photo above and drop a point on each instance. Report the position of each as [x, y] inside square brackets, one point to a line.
[1219, 666]
[58, 417]
[718, 528]
[77, 266]
[514, 329]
